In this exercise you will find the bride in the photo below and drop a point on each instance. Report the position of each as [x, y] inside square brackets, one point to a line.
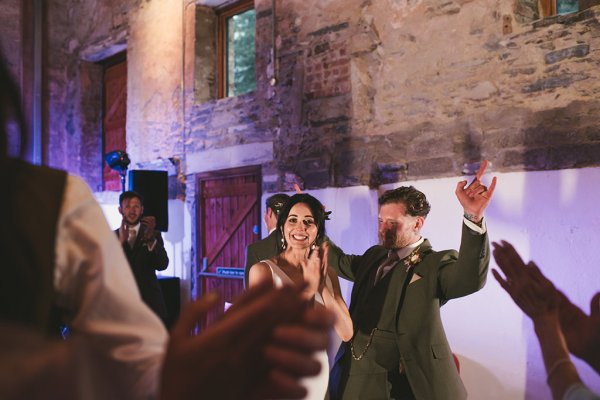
[303, 260]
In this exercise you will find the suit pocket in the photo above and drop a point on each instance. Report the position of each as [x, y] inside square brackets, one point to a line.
[440, 351]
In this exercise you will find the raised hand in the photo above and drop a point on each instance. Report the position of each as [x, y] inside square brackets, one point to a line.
[149, 223]
[475, 197]
[525, 283]
[312, 270]
[123, 232]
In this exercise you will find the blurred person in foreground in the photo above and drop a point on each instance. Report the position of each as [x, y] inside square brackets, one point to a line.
[559, 325]
[62, 263]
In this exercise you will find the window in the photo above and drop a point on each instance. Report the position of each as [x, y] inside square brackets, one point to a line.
[559, 7]
[236, 50]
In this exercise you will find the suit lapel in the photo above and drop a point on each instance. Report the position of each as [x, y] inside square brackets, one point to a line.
[405, 276]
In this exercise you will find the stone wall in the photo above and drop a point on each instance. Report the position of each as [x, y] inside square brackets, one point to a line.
[378, 92]
[366, 92]
[10, 34]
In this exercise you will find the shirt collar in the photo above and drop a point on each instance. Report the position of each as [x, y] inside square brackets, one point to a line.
[135, 228]
[405, 251]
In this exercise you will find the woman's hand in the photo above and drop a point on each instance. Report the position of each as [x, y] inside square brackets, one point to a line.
[312, 270]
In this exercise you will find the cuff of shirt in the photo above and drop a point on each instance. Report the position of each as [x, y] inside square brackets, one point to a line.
[474, 227]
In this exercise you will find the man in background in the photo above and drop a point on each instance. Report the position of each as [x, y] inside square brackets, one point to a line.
[144, 248]
[271, 245]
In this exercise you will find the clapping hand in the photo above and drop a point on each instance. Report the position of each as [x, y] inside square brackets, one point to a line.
[264, 344]
[525, 283]
[123, 232]
[475, 197]
[314, 269]
[149, 223]
[538, 298]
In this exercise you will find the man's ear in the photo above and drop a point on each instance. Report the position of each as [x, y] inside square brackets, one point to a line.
[419, 221]
[120, 210]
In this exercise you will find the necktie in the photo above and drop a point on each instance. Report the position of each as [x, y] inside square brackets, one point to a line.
[389, 262]
[131, 238]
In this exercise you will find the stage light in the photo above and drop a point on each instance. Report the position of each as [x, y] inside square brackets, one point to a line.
[119, 161]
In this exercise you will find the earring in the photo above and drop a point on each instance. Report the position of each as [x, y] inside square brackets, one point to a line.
[283, 243]
[314, 246]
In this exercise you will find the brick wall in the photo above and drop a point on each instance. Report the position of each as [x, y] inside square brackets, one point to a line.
[367, 92]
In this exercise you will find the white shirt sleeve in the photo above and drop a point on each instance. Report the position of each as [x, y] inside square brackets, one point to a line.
[474, 227]
[125, 341]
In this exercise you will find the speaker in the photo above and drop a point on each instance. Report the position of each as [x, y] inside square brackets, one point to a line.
[170, 287]
[154, 188]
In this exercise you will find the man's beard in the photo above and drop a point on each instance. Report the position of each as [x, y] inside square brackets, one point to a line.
[390, 240]
[135, 221]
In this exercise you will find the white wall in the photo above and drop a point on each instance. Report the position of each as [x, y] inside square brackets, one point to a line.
[548, 216]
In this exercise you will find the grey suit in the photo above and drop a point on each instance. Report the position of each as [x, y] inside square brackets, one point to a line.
[409, 332]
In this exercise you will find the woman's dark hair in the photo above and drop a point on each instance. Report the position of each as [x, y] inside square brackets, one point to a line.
[316, 208]
[11, 114]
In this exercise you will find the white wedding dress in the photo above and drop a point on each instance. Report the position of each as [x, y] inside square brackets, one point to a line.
[315, 385]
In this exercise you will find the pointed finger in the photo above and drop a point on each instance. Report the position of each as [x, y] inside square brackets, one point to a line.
[482, 169]
[490, 190]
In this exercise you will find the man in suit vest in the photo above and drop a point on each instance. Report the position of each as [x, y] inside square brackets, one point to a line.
[143, 245]
[271, 245]
[399, 349]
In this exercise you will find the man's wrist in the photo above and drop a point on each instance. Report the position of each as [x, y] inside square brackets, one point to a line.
[476, 219]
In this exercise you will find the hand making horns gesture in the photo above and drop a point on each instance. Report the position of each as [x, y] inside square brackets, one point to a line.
[475, 197]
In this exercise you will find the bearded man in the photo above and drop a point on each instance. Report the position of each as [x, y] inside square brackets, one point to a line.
[399, 349]
[145, 250]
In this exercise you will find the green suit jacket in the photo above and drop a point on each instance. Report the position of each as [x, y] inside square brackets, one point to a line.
[409, 329]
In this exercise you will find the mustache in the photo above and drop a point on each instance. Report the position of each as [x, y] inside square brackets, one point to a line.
[387, 236]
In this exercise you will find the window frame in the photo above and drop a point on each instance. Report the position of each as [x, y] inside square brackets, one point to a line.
[223, 15]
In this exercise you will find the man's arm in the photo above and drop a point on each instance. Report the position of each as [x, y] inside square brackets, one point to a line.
[340, 261]
[157, 255]
[466, 272]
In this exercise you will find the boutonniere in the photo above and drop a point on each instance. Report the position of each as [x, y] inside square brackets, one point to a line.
[413, 259]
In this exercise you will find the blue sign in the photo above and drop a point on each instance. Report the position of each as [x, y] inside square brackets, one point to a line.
[230, 271]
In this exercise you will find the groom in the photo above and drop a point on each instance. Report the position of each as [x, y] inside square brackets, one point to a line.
[399, 349]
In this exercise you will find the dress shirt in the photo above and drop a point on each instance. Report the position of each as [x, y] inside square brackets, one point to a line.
[94, 284]
[402, 253]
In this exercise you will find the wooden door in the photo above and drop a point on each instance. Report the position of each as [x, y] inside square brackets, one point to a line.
[228, 219]
[115, 116]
